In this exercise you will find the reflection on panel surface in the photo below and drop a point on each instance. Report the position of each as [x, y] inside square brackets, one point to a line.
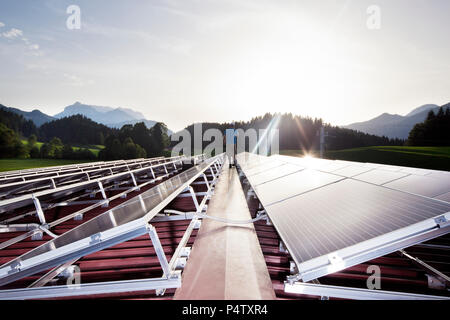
[345, 213]
[355, 211]
[422, 185]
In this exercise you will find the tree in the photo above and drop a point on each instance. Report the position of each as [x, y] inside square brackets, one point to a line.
[67, 152]
[10, 144]
[434, 131]
[34, 152]
[159, 139]
[32, 140]
[56, 142]
[114, 149]
[132, 150]
[53, 149]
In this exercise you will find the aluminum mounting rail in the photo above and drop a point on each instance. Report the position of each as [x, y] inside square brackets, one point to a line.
[35, 171]
[22, 175]
[80, 169]
[329, 291]
[23, 200]
[53, 181]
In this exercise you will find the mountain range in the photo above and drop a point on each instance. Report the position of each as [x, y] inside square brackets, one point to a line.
[389, 125]
[111, 117]
[36, 116]
[394, 125]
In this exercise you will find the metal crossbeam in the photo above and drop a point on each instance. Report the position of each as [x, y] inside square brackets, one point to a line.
[353, 293]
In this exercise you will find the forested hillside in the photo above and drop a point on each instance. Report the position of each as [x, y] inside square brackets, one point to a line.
[75, 129]
[301, 133]
[434, 131]
[70, 138]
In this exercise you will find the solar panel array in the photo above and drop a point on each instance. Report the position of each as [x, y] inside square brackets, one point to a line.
[334, 214]
[137, 211]
[151, 183]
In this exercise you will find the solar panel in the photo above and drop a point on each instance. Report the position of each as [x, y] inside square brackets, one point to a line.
[331, 167]
[417, 171]
[263, 167]
[352, 170]
[330, 221]
[444, 197]
[274, 173]
[292, 185]
[439, 174]
[380, 176]
[323, 228]
[423, 185]
[308, 163]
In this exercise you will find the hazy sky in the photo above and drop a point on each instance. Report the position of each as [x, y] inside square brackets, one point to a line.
[202, 60]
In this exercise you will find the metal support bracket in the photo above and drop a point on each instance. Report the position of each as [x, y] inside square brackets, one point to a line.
[39, 211]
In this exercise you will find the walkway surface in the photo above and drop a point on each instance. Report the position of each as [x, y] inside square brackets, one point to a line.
[226, 261]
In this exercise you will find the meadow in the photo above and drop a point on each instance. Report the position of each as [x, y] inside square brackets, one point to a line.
[18, 164]
[437, 158]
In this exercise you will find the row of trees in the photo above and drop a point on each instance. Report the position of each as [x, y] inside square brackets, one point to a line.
[434, 131]
[301, 133]
[136, 142]
[55, 149]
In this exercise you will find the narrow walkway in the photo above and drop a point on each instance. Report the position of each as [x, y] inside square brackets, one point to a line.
[226, 262]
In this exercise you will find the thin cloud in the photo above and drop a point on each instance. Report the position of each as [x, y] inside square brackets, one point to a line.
[13, 33]
[77, 81]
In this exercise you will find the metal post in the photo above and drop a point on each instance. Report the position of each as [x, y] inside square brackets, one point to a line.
[159, 251]
[39, 211]
[194, 198]
[212, 172]
[102, 191]
[207, 183]
[153, 173]
[133, 179]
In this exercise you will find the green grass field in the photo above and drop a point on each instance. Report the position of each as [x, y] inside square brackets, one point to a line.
[94, 148]
[18, 164]
[437, 158]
